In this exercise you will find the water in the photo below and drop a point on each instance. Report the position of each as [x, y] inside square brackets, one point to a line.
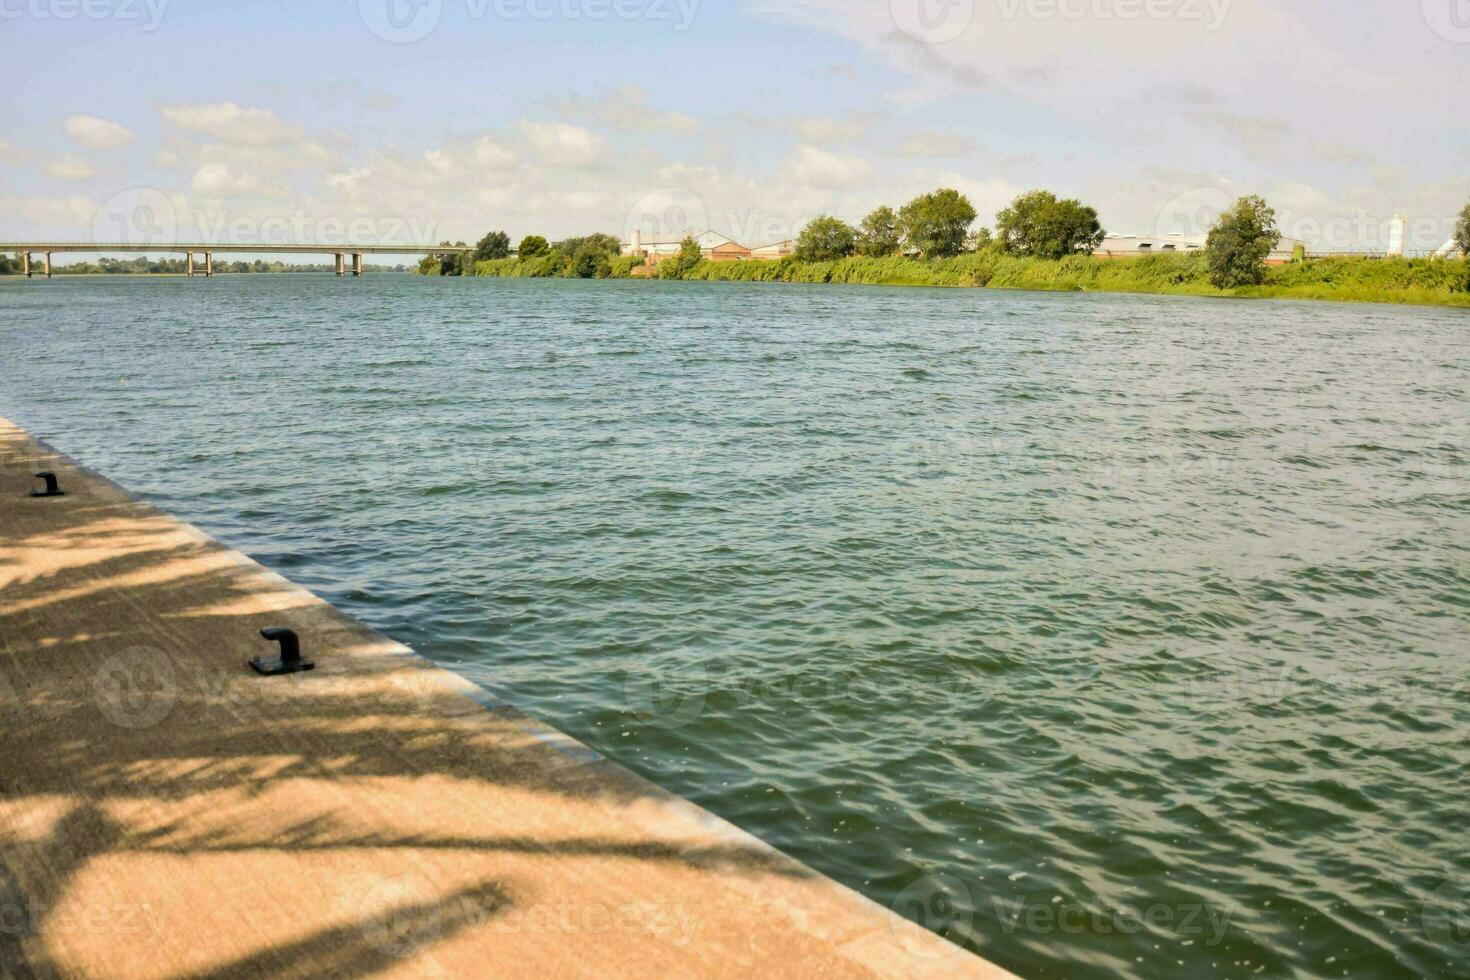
[1113, 635]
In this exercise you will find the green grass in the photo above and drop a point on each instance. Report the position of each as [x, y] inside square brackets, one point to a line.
[1432, 282]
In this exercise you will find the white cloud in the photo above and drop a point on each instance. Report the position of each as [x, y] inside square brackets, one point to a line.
[626, 109]
[824, 129]
[812, 167]
[230, 123]
[937, 146]
[218, 180]
[70, 167]
[564, 145]
[50, 212]
[97, 134]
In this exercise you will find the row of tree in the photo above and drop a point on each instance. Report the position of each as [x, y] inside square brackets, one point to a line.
[585, 258]
[146, 266]
[938, 226]
[1038, 224]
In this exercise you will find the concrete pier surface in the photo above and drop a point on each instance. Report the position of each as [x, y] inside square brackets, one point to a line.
[165, 811]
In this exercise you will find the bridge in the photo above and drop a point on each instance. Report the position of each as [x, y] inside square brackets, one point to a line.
[193, 250]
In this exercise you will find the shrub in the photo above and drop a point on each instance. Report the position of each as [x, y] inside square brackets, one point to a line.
[1239, 243]
[936, 224]
[879, 235]
[533, 246]
[1040, 225]
[826, 238]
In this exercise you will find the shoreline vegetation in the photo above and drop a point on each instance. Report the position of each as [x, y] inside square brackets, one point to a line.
[1040, 242]
[1429, 282]
[11, 266]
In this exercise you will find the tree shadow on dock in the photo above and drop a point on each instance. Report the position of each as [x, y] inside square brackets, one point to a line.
[252, 818]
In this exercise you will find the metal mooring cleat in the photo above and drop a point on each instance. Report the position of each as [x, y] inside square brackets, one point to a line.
[290, 661]
[51, 488]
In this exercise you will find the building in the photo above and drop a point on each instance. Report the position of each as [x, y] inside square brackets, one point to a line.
[775, 250]
[1130, 246]
[712, 245]
[1449, 250]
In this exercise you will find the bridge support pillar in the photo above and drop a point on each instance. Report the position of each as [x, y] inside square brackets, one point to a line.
[25, 263]
[209, 263]
[48, 265]
[357, 265]
[189, 265]
[341, 265]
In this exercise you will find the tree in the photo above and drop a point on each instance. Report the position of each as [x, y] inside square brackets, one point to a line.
[1040, 225]
[444, 263]
[979, 240]
[495, 245]
[936, 224]
[824, 239]
[879, 235]
[590, 257]
[533, 246]
[1237, 247]
[1462, 232]
[690, 255]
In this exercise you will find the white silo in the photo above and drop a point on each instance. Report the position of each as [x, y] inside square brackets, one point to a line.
[1397, 232]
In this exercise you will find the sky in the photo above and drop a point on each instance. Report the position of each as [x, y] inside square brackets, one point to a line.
[417, 121]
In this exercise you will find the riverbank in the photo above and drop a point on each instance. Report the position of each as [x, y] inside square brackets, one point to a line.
[1429, 282]
[167, 812]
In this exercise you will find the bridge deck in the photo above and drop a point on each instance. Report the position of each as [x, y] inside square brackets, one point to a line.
[165, 812]
[232, 249]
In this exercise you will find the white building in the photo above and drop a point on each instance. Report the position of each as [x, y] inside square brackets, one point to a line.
[1127, 246]
[708, 241]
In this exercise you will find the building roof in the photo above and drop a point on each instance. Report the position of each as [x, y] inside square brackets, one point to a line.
[699, 236]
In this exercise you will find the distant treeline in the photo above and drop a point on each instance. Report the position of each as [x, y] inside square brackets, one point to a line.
[1040, 241]
[141, 266]
[1436, 282]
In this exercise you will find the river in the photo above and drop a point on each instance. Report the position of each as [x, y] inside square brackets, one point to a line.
[1110, 635]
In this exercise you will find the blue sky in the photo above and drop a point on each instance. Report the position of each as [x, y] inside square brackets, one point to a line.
[325, 121]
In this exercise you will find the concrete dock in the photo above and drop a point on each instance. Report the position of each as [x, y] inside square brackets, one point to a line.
[167, 812]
